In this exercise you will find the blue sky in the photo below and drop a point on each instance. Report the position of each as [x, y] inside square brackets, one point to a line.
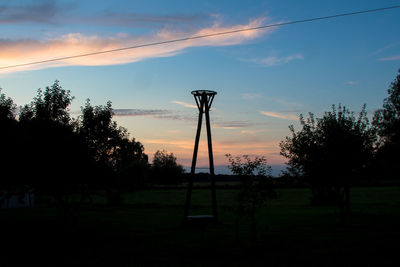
[264, 78]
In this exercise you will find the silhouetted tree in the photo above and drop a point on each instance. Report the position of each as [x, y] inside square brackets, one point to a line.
[50, 105]
[122, 161]
[131, 163]
[60, 156]
[387, 122]
[7, 107]
[8, 152]
[54, 159]
[256, 187]
[100, 132]
[331, 151]
[165, 169]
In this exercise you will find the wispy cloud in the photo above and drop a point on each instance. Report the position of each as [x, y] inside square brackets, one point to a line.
[139, 112]
[14, 52]
[39, 12]
[351, 82]
[386, 52]
[287, 104]
[130, 19]
[52, 12]
[184, 104]
[391, 58]
[251, 96]
[279, 115]
[251, 132]
[385, 48]
[163, 114]
[177, 117]
[233, 124]
[275, 61]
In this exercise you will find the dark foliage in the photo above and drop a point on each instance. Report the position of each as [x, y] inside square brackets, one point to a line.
[50, 105]
[122, 160]
[131, 164]
[60, 156]
[255, 189]
[9, 141]
[387, 121]
[331, 152]
[7, 108]
[165, 169]
[55, 159]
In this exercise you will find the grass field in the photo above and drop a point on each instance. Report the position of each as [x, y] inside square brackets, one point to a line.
[147, 230]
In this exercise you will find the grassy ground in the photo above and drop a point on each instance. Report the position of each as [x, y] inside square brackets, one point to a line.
[147, 230]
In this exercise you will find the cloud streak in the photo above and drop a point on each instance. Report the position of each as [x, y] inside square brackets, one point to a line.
[142, 20]
[164, 114]
[52, 12]
[389, 51]
[279, 115]
[184, 104]
[38, 13]
[233, 124]
[391, 58]
[287, 104]
[14, 52]
[276, 61]
[251, 96]
[386, 48]
[139, 112]
[351, 83]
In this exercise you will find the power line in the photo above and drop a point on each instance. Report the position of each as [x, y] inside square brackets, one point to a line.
[203, 36]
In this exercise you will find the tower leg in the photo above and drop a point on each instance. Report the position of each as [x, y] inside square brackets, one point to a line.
[211, 160]
[193, 168]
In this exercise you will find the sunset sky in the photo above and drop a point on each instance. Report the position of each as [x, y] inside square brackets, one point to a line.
[264, 78]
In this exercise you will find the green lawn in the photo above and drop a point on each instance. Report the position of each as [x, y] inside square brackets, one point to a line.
[147, 230]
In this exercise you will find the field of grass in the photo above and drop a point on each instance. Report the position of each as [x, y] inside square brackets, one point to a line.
[147, 230]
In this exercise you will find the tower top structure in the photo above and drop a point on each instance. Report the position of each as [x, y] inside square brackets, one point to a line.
[204, 99]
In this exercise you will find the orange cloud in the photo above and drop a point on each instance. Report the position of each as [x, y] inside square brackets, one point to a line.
[15, 52]
[186, 105]
[280, 115]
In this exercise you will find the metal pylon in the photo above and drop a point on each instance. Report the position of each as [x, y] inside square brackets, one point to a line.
[204, 99]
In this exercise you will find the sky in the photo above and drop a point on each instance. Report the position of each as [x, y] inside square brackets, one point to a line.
[263, 78]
